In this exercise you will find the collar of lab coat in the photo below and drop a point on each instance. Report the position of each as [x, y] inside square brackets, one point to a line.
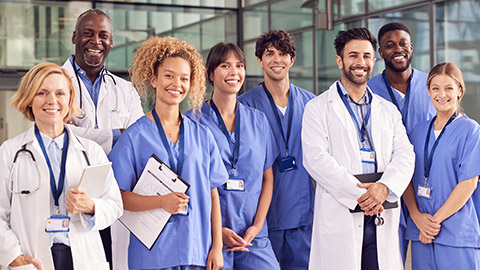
[347, 122]
[30, 139]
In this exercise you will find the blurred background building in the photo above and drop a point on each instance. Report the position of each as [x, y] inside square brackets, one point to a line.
[33, 32]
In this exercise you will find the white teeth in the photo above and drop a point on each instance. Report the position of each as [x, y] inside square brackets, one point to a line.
[399, 57]
[51, 111]
[232, 81]
[174, 92]
[93, 51]
[277, 68]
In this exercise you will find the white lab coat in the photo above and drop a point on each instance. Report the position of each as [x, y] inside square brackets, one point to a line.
[110, 115]
[23, 217]
[331, 156]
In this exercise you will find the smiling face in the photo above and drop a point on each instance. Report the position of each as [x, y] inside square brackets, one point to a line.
[93, 41]
[445, 93]
[396, 50]
[50, 104]
[275, 64]
[229, 75]
[172, 81]
[357, 61]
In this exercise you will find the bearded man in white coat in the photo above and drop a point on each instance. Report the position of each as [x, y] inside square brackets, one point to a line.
[349, 131]
[108, 105]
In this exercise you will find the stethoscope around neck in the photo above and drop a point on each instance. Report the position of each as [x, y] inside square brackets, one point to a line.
[82, 113]
[23, 150]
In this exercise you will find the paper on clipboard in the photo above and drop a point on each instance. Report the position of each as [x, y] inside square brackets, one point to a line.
[156, 179]
[93, 179]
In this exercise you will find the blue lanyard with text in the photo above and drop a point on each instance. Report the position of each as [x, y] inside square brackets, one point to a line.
[56, 191]
[234, 147]
[277, 117]
[427, 159]
[181, 146]
[394, 100]
[363, 126]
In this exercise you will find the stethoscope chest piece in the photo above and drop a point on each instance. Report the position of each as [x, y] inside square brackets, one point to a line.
[379, 221]
[81, 114]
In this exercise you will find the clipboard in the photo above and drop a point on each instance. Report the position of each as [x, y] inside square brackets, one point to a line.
[156, 179]
[93, 179]
[372, 178]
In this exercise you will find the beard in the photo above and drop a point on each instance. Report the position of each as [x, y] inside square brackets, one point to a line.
[354, 79]
[391, 66]
[92, 64]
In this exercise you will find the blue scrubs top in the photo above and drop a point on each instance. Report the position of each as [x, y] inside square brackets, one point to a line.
[457, 158]
[420, 107]
[257, 152]
[293, 193]
[186, 240]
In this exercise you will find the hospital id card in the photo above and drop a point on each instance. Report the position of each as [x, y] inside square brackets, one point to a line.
[287, 163]
[424, 192]
[57, 224]
[184, 211]
[367, 155]
[235, 184]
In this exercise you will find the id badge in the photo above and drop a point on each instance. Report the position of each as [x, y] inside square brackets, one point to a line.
[424, 192]
[287, 163]
[235, 184]
[58, 224]
[184, 211]
[367, 155]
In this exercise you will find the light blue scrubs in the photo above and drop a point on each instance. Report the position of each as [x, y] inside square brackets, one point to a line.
[257, 152]
[290, 216]
[457, 158]
[418, 109]
[186, 240]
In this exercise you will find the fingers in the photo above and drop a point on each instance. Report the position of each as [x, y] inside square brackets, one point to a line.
[241, 248]
[231, 239]
[181, 195]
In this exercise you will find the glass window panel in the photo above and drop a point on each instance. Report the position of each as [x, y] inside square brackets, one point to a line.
[374, 5]
[301, 73]
[255, 22]
[246, 3]
[457, 41]
[213, 31]
[196, 3]
[288, 15]
[253, 72]
[352, 7]
[190, 34]
[417, 23]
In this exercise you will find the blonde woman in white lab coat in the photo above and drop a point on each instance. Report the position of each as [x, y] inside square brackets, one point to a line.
[31, 193]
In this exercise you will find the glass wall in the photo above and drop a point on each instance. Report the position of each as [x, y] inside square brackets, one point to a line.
[458, 41]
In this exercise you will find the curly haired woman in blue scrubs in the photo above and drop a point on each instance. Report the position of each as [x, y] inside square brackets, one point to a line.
[167, 70]
[444, 226]
[248, 149]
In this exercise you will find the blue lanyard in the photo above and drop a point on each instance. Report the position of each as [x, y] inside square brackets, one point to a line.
[363, 126]
[427, 159]
[234, 147]
[181, 145]
[394, 100]
[277, 117]
[56, 192]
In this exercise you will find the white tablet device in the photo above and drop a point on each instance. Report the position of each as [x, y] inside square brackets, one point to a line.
[93, 179]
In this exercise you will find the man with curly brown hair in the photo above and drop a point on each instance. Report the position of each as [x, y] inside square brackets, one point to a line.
[290, 216]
